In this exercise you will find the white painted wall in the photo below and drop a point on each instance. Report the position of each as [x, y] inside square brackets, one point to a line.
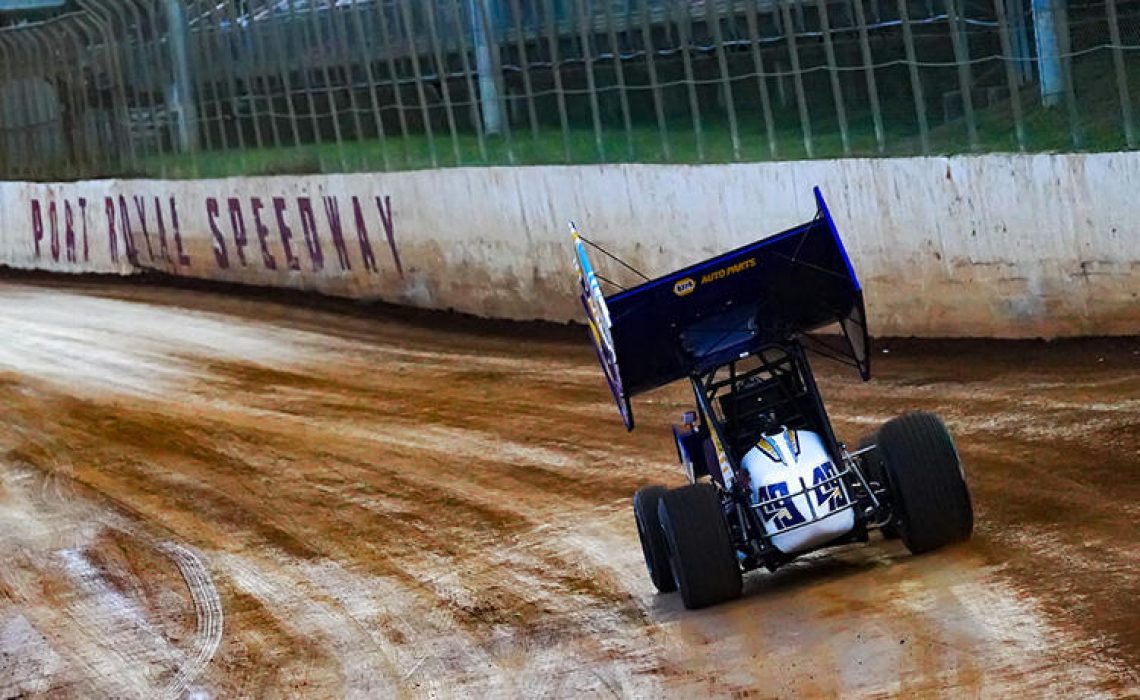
[997, 245]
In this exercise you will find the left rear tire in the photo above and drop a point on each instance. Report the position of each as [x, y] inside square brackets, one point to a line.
[652, 538]
[701, 554]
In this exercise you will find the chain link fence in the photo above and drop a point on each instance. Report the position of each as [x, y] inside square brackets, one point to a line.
[210, 88]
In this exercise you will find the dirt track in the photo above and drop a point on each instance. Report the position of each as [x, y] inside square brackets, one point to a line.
[212, 497]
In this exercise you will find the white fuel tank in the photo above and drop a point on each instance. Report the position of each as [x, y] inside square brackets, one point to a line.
[795, 461]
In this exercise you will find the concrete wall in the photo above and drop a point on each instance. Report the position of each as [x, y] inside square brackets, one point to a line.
[1008, 246]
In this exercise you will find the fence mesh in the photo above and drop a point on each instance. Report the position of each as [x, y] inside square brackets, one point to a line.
[219, 87]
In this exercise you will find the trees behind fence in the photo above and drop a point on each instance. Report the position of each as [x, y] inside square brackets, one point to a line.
[168, 88]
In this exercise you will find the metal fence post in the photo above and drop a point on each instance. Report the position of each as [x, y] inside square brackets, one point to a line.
[261, 72]
[469, 81]
[684, 31]
[869, 74]
[394, 79]
[1007, 44]
[370, 76]
[761, 77]
[556, 70]
[833, 70]
[654, 83]
[915, 78]
[114, 62]
[185, 108]
[965, 79]
[1020, 40]
[1121, 74]
[797, 77]
[1048, 53]
[488, 86]
[524, 67]
[207, 40]
[72, 97]
[712, 18]
[619, 70]
[18, 106]
[330, 96]
[147, 64]
[442, 74]
[6, 108]
[1061, 19]
[496, 75]
[585, 39]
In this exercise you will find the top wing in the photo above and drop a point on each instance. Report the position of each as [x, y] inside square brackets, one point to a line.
[699, 317]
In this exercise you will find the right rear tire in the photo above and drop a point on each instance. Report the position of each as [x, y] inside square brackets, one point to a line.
[931, 500]
[701, 555]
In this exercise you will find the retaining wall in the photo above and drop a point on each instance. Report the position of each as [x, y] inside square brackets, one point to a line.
[998, 245]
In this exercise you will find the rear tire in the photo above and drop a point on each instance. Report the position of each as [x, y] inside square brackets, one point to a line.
[931, 500]
[876, 472]
[700, 551]
[653, 546]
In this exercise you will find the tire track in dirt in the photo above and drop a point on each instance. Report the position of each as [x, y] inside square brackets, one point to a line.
[394, 509]
[208, 610]
[54, 495]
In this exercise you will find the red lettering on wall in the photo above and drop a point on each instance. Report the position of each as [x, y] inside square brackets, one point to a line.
[112, 236]
[163, 249]
[53, 226]
[127, 231]
[332, 213]
[183, 258]
[385, 207]
[140, 207]
[362, 236]
[309, 228]
[83, 218]
[69, 231]
[262, 230]
[220, 254]
[37, 225]
[286, 233]
[237, 228]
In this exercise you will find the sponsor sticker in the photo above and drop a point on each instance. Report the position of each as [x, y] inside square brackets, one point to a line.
[685, 286]
[724, 272]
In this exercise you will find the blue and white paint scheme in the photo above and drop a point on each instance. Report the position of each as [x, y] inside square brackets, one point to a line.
[796, 492]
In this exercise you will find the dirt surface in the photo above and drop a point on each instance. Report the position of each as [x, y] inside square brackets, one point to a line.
[209, 497]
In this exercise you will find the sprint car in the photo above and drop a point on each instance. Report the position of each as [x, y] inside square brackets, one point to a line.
[768, 479]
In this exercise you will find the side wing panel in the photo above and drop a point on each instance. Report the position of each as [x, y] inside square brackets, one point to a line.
[601, 327]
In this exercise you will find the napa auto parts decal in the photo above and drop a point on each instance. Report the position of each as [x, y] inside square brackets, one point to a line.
[298, 233]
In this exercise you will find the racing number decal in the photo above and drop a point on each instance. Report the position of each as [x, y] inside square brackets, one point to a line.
[781, 514]
[828, 490]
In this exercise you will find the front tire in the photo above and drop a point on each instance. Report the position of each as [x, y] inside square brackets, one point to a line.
[700, 551]
[931, 500]
[653, 546]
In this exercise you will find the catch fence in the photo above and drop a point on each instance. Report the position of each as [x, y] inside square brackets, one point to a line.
[208, 88]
